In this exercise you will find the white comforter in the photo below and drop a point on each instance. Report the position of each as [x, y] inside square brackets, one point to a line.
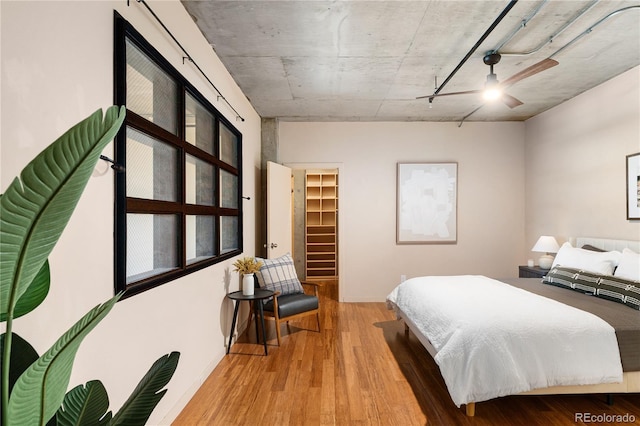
[493, 339]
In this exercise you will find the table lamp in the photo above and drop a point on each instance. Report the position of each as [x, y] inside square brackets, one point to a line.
[546, 245]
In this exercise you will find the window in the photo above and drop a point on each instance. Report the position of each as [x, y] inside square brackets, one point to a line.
[177, 204]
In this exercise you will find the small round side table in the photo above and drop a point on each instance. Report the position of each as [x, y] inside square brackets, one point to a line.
[258, 296]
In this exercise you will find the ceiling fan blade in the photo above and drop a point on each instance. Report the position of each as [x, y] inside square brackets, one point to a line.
[510, 101]
[534, 69]
[469, 115]
[466, 92]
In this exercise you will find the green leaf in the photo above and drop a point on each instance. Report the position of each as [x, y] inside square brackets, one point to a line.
[137, 409]
[85, 406]
[36, 207]
[40, 390]
[22, 356]
[35, 294]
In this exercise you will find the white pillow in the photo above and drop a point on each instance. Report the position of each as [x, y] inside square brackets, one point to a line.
[592, 261]
[629, 266]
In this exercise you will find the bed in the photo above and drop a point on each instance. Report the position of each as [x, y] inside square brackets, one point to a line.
[495, 338]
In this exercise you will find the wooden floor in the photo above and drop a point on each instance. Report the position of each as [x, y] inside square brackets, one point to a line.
[361, 369]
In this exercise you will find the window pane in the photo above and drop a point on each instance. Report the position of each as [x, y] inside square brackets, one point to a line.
[151, 168]
[151, 93]
[200, 126]
[228, 190]
[151, 245]
[228, 146]
[201, 238]
[229, 234]
[199, 181]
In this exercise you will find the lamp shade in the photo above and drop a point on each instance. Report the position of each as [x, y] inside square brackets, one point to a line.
[546, 244]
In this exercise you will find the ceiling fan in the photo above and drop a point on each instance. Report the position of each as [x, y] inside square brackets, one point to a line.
[493, 89]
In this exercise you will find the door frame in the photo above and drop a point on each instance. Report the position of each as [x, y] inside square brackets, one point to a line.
[340, 168]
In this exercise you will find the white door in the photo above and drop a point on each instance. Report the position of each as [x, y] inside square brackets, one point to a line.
[279, 210]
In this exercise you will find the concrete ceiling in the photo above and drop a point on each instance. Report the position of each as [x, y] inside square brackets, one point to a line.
[369, 60]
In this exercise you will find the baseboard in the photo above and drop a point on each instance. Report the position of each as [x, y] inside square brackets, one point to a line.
[177, 408]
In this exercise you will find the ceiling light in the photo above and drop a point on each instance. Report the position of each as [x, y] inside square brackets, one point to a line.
[492, 89]
[492, 94]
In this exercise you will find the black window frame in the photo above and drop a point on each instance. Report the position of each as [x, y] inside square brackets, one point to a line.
[124, 31]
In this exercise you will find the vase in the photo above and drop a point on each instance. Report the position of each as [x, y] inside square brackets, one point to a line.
[247, 284]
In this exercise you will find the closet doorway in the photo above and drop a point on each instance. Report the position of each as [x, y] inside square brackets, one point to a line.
[316, 225]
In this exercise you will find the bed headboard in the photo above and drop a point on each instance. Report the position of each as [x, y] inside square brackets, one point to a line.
[606, 244]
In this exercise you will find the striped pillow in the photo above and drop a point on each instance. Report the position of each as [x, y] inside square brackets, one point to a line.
[279, 275]
[574, 279]
[620, 290]
[608, 287]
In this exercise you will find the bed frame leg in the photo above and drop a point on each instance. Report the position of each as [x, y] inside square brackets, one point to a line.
[470, 409]
[406, 329]
[609, 397]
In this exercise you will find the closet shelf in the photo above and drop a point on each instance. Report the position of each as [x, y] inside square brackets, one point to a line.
[321, 216]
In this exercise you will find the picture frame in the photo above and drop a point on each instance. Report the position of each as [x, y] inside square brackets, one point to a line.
[633, 186]
[427, 203]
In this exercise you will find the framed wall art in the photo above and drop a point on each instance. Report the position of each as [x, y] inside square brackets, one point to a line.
[633, 186]
[426, 203]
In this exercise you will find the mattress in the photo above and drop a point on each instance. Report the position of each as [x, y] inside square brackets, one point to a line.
[624, 320]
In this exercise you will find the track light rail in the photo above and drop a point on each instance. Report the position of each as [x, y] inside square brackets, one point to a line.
[189, 58]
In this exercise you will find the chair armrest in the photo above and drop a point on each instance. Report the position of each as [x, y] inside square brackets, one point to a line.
[314, 285]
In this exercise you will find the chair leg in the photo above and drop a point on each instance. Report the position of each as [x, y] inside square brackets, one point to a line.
[318, 318]
[276, 316]
[278, 330]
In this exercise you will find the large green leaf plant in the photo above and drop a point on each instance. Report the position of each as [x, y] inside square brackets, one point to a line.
[34, 211]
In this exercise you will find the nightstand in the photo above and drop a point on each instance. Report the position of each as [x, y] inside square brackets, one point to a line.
[532, 271]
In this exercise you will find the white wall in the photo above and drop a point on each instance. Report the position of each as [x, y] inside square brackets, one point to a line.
[491, 197]
[57, 68]
[576, 160]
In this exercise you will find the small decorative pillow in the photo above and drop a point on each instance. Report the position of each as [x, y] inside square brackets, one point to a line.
[279, 275]
[592, 248]
[574, 279]
[587, 260]
[620, 290]
[629, 266]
